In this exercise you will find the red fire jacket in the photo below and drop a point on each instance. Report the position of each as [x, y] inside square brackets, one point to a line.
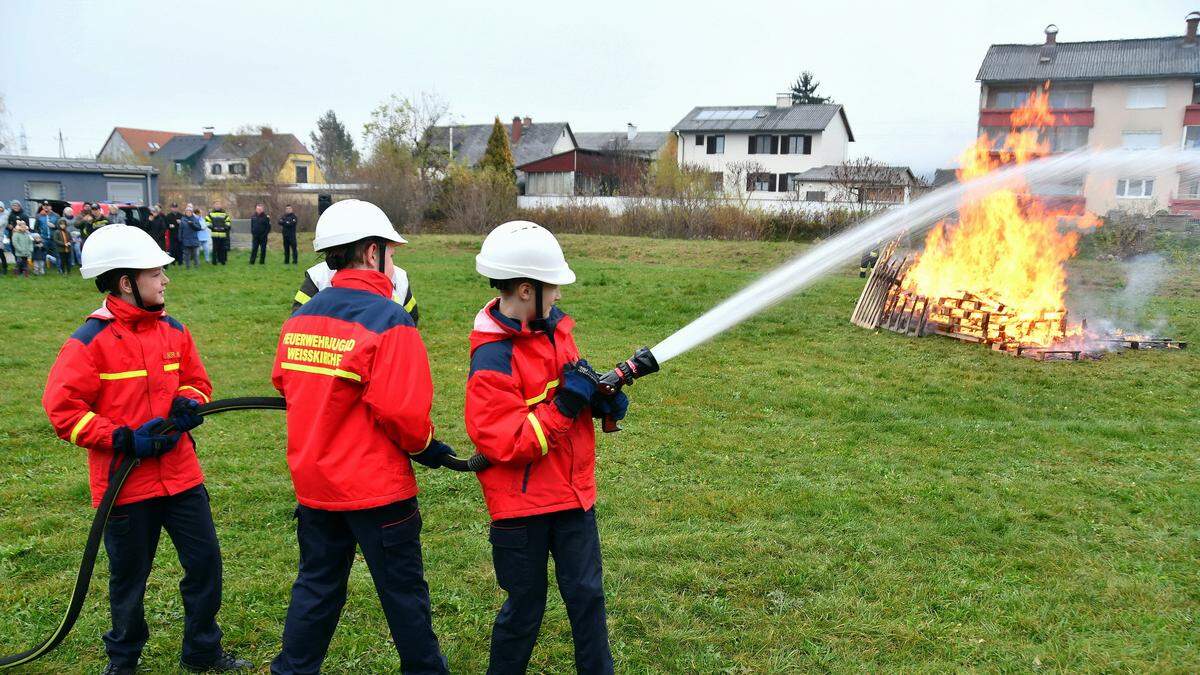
[542, 460]
[123, 367]
[355, 374]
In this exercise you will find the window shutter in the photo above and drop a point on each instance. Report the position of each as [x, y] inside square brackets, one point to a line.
[699, 139]
[773, 182]
[774, 145]
[784, 143]
[750, 147]
[711, 147]
[808, 145]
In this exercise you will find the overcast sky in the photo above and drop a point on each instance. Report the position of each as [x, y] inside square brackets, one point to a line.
[904, 70]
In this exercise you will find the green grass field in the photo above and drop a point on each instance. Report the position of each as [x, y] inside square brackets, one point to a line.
[798, 495]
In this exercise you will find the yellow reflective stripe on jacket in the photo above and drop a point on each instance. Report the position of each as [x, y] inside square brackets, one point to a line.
[332, 372]
[168, 367]
[302, 297]
[202, 394]
[412, 302]
[537, 429]
[123, 376]
[83, 422]
[542, 396]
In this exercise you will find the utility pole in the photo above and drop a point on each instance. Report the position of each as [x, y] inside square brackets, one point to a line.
[62, 151]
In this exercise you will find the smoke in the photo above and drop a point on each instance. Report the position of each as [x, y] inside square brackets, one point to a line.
[1126, 311]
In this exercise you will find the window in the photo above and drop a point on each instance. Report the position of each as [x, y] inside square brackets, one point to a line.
[237, 168]
[1195, 92]
[1135, 188]
[1191, 138]
[1065, 139]
[716, 145]
[301, 173]
[1146, 96]
[699, 139]
[760, 182]
[215, 170]
[796, 145]
[1189, 186]
[1141, 140]
[1071, 97]
[764, 145]
[38, 190]
[179, 167]
[153, 146]
[995, 135]
[814, 196]
[133, 192]
[787, 182]
[1007, 98]
[1062, 189]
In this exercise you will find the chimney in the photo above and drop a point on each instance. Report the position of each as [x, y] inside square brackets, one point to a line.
[1051, 35]
[1192, 20]
[630, 131]
[783, 99]
[267, 132]
[208, 133]
[527, 121]
[516, 129]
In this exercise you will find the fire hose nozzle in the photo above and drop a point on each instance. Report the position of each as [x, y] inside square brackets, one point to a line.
[640, 364]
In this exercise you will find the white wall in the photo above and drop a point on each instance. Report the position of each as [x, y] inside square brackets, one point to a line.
[617, 205]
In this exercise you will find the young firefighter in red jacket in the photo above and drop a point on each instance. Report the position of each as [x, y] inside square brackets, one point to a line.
[356, 378]
[119, 375]
[530, 413]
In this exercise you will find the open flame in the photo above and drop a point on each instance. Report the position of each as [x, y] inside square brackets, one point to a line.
[1006, 254]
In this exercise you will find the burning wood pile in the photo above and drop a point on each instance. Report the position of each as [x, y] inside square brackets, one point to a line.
[997, 275]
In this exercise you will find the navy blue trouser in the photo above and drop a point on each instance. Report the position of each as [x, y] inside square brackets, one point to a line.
[131, 538]
[520, 550]
[390, 538]
[258, 243]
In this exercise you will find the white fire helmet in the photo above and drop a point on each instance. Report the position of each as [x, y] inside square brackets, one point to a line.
[352, 220]
[116, 247]
[521, 249]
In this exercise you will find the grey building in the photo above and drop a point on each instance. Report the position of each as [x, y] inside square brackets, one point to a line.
[32, 179]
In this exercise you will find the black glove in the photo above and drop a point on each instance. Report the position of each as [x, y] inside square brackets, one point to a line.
[432, 455]
[614, 406]
[183, 413]
[145, 441]
[575, 390]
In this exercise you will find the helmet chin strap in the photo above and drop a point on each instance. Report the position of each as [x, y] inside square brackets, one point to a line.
[381, 248]
[137, 293]
[539, 322]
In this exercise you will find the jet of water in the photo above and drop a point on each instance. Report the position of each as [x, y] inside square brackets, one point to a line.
[918, 215]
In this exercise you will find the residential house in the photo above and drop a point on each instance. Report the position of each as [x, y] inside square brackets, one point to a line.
[33, 179]
[943, 177]
[863, 183]
[466, 143]
[210, 157]
[1134, 93]
[127, 144]
[600, 164]
[763, 149]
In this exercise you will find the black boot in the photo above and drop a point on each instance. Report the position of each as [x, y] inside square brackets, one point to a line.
[224, 663]
[114, 669]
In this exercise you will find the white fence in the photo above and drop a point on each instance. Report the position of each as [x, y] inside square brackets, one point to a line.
[617, 205]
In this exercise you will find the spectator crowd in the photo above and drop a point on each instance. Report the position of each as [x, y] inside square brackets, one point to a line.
[51, 238]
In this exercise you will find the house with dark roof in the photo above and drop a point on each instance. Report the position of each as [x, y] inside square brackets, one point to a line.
[855, 182]
[603, 163]
[265, 156]
[1136, 93]
[761, 149]
[37, 179]
[128, 144]
[530, 141]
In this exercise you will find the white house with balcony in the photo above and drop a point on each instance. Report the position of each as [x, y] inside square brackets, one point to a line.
[1141, 93]
[762, 150]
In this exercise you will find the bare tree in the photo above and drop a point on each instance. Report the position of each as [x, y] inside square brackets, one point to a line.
[864, 182]
[740, 178]
[405, 162]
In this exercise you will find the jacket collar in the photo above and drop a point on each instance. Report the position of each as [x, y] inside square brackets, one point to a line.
[363, 280]
[491, 320]
[116, 309]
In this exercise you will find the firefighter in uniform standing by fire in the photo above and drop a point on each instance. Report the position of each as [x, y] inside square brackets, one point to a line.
[529, 410]
[355, 374]
[219, 223]
[119, 375]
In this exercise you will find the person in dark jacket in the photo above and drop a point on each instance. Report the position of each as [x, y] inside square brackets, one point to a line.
[189, 238]
[287, 225]
[157, 227]
[173, 244]
[62, 246]
[219, 223]
[260, 229]
[16, 215]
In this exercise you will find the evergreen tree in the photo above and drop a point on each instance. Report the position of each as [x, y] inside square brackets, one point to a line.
[334, 149]
[498, 155]
[804, 89]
